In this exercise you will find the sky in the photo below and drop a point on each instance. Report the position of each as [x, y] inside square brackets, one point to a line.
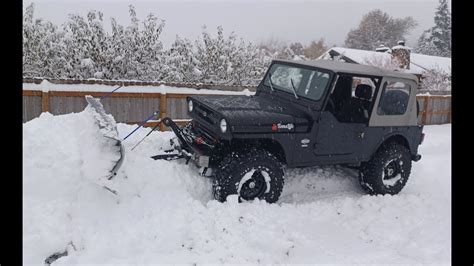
[256, 21]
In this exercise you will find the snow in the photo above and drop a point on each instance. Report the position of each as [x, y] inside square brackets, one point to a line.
[418, 62]
[401, 47]
[164, 212]
[249, 175]
[87, 62]
[430, 62]
[47, 86]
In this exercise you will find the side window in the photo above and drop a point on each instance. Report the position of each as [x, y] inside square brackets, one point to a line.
[356, 81]
[352, 98]
[394, 98]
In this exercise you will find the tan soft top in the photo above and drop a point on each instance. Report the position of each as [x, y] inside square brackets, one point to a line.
[350, 68]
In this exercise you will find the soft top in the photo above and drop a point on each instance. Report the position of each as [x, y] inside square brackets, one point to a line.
[350, 68]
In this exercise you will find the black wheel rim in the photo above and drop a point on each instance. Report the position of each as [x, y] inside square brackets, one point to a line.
[391, 170]
[254, 187]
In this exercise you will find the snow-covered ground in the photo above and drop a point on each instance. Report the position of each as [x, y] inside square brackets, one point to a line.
[164, 212]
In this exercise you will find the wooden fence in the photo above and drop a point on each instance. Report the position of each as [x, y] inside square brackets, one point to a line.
[434, 109]
[132, 108]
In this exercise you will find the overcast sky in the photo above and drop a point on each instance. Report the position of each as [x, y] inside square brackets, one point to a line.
[300, 20]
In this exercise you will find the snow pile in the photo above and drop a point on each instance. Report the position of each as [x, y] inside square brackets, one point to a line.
[163, 212]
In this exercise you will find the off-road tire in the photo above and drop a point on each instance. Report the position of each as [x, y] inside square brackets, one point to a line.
[232, 169]
[372, 173]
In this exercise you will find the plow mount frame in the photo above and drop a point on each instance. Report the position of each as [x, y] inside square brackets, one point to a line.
[180, 152]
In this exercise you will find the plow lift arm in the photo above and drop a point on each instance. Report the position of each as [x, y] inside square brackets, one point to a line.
[181, 151]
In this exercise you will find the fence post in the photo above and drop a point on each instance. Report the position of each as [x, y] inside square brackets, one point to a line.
[44, 102]
[163, 107]
[425, 111]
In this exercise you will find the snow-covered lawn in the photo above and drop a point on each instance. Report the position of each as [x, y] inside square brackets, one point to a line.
[164, 212]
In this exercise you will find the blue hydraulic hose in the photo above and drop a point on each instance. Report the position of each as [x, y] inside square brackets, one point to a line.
[108, 94]
[142, 123]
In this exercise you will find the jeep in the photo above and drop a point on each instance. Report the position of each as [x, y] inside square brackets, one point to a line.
[303, 114]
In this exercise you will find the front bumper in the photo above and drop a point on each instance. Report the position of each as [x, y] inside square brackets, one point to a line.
[187, 137]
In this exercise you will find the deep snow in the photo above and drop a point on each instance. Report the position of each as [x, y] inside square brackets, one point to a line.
[164, 212]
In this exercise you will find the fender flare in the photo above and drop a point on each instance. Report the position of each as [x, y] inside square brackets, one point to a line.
[397, 136]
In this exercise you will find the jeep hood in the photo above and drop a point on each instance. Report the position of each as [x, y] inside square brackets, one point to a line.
[249, 114]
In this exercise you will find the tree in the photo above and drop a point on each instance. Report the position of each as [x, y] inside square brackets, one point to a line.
[82, 49]
[437, 40]
[84, 44]
[272, 46]
[181, 61]
[249, 64]
[131, 52]
[225, 60]
[43, 47]
[315, 49]
[142, 55]
[378, 27]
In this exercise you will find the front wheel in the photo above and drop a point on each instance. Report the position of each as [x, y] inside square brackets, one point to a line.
[388, 171]
[250, 175]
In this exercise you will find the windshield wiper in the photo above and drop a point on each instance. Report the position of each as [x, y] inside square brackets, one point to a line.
[294, 89]
[271, 83]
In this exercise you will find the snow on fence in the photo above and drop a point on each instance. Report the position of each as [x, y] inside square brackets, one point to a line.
[137, 100]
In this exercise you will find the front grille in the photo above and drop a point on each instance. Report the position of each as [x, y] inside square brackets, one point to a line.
[205, 114]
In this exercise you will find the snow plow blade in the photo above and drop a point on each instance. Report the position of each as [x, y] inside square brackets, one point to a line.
[108, 128]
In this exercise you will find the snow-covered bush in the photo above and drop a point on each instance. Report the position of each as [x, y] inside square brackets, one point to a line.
[43, 47]
[181, 61]
[229, 61]
[82, 49]
[436, 80]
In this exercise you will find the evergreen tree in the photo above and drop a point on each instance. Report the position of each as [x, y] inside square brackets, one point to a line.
[437, 40]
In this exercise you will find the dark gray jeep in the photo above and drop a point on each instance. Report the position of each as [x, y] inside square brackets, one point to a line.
[305, 113]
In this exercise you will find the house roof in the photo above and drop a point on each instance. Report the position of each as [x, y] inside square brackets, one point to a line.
[342, 67]
[418, 62]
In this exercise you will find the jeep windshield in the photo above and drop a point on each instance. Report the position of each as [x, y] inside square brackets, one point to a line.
[306, 83]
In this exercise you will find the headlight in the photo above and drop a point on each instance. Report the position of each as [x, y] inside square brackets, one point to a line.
[223, 125]
[190, 106]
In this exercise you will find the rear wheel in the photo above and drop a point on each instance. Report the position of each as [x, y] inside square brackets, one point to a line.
[250, 175]
[388, 171]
